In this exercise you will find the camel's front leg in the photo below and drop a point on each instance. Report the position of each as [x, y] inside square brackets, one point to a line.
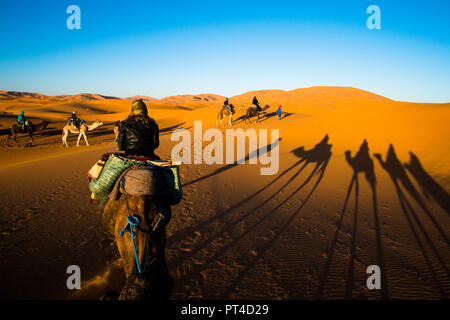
[85, 138]
[231, 120]
[64, 138]
[79, 137]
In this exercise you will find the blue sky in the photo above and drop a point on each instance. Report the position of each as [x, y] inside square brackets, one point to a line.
[161, 48]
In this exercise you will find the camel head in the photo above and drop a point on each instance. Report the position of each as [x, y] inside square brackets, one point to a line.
[95, 125]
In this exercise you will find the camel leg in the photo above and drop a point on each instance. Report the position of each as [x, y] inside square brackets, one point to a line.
[231, 120]
[85, 138]
[31, 139]
[65, 139]
[79, 137]
[219, 118]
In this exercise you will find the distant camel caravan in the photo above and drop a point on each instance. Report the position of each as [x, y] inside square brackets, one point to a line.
[69, 128]
[30, 129]
[253, 111]
[226, 111]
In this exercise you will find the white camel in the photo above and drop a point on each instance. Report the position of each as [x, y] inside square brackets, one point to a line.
[69, 128]
[225, 111]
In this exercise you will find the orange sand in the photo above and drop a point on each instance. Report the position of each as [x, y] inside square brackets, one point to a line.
[238, 234]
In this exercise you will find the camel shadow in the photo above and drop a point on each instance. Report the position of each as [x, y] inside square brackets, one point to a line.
[399, 177]
[169, 130]
[238, 120]
[267, 116]
[100, 132]
[49, 132]
[428, 185]
[249, 156]
[360, 163]
[319, 155]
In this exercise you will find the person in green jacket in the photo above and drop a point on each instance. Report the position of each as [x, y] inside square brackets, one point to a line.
[22, 120]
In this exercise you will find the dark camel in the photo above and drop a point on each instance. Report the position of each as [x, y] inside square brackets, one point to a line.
[30, 129]
[254, 111]
[153, 282]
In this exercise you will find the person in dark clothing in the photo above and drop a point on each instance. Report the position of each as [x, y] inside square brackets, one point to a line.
[75, 121]
[227, 104]
[256, 103]
[139, 134]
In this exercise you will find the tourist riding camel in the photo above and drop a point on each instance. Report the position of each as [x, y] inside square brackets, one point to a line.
[256, 103]
[148, 278]
[139, 134]
[226, 110]
[81, 130]
[22, 120]
[75, 121]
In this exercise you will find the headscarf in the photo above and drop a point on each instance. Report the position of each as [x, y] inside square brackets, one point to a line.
[139, 108]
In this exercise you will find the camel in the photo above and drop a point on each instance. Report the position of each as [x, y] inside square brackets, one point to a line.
[153, 282]
[30, 128]
[226, 111]
[253, 111]
[68, 128]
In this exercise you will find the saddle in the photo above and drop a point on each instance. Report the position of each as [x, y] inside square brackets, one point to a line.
[117, 174]
[23, 126]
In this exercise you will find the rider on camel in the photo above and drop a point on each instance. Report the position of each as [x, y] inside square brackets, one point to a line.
[22, 120]
[139, 134]
[75, 121]
[256, 103]
[226, 104]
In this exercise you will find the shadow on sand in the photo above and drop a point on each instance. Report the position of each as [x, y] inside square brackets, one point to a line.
[249, 156]
[399, 178]
[360, 163]
[428, 185]
[319, 155]
[169, 130]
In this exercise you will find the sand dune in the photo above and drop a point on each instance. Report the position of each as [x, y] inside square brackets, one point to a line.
[308, 232]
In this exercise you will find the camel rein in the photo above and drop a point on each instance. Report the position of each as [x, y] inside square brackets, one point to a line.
[133, 221]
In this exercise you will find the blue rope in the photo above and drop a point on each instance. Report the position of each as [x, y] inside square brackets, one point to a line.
[133, 221]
